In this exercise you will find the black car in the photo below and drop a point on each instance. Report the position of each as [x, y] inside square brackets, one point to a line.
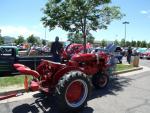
[9, 56]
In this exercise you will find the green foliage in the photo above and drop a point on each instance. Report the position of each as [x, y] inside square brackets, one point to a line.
[103, 43]
[31, 39]
[43, 42]
[78, 38]
[138, 44]
[128, 43]
[122, 43]
[148, 45]
[79, 15]
[143, 44]
[20, 40]
[1, 40]
[116, 42]
[133, 43]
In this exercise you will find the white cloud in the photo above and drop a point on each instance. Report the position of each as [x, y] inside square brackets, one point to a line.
[144, 12]
[18, 30]
[36, 30]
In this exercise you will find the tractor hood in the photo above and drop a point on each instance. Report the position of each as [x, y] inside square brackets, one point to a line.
[83, 57]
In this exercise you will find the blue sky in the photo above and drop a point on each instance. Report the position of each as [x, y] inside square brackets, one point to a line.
[22, 17]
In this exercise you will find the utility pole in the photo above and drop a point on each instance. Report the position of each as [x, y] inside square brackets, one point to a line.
[125, 31]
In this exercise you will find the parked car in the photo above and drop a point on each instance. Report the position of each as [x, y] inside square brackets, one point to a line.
[9, 56]
[146, 54]
[141, 52]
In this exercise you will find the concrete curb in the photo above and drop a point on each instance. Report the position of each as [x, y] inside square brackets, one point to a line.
[128, 70]
[22, 90]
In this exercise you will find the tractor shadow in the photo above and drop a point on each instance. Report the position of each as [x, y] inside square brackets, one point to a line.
[42, 104]
[116, 84]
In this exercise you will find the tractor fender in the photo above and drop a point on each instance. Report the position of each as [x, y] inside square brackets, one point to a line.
[63, 71]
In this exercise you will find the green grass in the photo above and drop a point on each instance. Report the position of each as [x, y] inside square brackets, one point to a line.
[10, 81]
[121, 67]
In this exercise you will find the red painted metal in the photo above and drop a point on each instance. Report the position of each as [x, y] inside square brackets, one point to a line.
[74, 92]
[48, 73]
[18, 65]
[28, 71]
[34, 86]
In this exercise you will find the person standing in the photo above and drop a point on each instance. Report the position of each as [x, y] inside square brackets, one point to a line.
[56, 50]
[129, 54]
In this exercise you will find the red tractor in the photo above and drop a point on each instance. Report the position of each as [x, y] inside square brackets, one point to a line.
[70, 83]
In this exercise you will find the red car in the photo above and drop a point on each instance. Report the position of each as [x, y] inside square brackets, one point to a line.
[146, 55]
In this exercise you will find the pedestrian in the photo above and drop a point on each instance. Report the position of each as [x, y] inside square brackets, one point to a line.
[129, 54]
[56, 50]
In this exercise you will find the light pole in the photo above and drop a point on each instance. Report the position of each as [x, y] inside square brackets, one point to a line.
[125, 31]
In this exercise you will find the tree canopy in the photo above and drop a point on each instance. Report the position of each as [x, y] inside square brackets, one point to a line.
[20, 40]
[32, 39]
[79, 15]
[77, 38]
[1, 40]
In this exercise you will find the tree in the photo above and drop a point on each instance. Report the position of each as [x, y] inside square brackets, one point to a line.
[143, 44]
[103, 43]
[77, 38]
[20, 40]
[128, 43]
[79, 15]
[122, 43]
[1, 40]
[148, 45]
[116, 42]
[133, 43]
[138, 44]
[31, 39]
[43, 42]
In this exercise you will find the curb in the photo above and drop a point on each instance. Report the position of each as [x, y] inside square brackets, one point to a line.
[128, 70]
[21, 90]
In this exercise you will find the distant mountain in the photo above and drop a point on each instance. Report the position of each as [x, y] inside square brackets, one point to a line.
[8, 39]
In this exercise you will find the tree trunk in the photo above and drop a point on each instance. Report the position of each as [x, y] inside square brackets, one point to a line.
[84, 42]
[84, 35]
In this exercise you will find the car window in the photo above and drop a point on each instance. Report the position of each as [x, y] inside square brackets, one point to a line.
[6, 51]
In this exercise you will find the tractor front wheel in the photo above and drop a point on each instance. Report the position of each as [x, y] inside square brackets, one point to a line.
[72, 91]
[100, 80]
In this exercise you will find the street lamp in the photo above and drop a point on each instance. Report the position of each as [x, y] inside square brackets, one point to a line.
[125, 22]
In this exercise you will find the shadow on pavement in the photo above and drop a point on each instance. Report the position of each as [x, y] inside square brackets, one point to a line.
[115, 85]
[43, 104]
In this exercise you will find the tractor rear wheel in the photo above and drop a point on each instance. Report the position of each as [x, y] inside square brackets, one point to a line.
[100, 80]
[72, 91]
